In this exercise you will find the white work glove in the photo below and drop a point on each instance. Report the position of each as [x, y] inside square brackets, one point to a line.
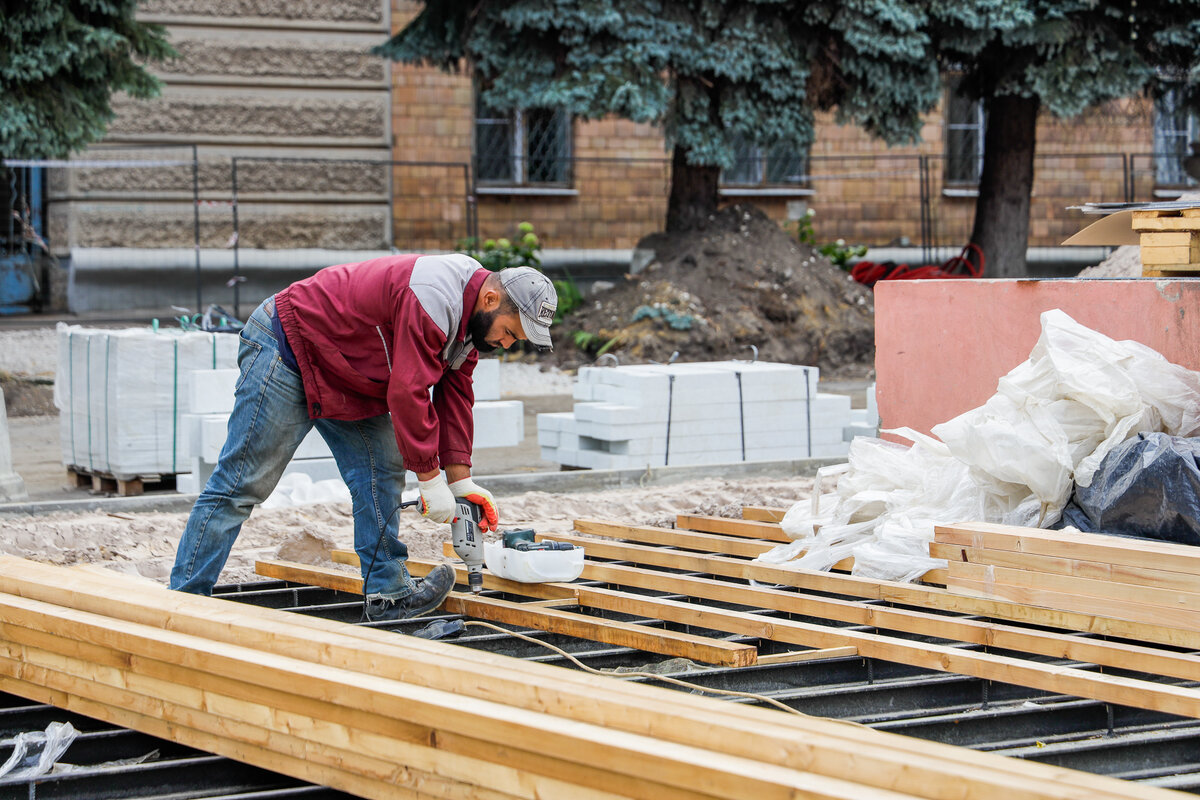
[468, 489]
[437, 501]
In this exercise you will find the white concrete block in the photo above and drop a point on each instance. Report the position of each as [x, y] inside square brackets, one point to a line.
[213, 430]
[499, 423]
[547, 437]
[211, 391]
[851, 431]
[486, 380]
[319, 469]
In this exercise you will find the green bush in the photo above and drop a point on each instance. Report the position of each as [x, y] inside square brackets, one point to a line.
[837, 252]
[498, 254]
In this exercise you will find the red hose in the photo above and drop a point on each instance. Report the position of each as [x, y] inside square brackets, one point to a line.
[960, 266]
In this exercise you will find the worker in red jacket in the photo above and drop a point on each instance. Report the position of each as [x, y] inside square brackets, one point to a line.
[339, 351]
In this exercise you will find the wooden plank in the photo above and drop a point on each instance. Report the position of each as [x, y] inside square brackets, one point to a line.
[1149, 224]
[903, 593]
[1007, 637]
[696, 771]
[1144, 553]
[749, 529]
[1049, 677]
[705, 542]
[800, 656]
[763, 513]
[622, 634]
[361, 745]
[1162, 257]
[421, 567]
[1057, 565]
[1162, 606]
[809, 743]
[1167, 239]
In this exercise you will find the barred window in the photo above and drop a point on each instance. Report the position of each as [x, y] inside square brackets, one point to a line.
[526, 146]
[779, 165]
[1174, 129]
[965, 123]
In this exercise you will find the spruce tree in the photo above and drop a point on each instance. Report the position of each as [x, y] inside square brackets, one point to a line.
[1068, 56]
[709, 72]
[60, 63]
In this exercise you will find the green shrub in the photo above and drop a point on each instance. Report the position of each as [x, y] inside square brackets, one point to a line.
[837, 252]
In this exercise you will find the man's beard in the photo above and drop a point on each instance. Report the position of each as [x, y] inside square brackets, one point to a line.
[478, 326]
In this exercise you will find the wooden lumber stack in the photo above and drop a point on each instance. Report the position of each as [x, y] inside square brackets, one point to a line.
[385, 716]
[1147, 581]
[1170, 242]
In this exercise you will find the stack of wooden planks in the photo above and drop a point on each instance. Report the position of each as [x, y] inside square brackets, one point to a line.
[1170, 241]
[651, 558]
[385, 716]
[1142, 580]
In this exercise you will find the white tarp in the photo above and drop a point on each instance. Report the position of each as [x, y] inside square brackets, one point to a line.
[1013, 460]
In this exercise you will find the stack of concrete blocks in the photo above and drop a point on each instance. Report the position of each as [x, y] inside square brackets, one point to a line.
[122, 395]
[703, 413]
[498, 423]
[863, 421]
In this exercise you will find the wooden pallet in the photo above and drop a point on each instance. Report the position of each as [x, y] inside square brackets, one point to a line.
[101, 482]
[1170, 242]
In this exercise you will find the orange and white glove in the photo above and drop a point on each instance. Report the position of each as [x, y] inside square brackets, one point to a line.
[437, 501]
[468, 489]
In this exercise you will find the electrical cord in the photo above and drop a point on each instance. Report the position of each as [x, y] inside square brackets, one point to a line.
[375, 552]
[675, 681]
[870, 273]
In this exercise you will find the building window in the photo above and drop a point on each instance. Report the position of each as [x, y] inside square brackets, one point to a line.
[1175, 128]
[527, 146]
[753, 166]
[965, 123]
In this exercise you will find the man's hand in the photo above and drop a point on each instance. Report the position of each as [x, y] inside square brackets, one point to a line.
[468, 489]
[437, 501]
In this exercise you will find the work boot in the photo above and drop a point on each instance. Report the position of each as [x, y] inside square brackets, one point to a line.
[429, 594]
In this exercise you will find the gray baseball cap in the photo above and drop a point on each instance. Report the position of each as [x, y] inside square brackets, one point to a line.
[534, 296]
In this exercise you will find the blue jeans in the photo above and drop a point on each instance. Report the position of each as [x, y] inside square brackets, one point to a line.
[269, 420]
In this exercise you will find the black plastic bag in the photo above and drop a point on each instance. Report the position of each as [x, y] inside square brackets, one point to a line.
[1148, 487]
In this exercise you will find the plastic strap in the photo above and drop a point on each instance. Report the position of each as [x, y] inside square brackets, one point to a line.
[741, 413]
[808, 411]
[214, 344]
[174, 404]
[107, 353]
[71, 384]
[88, 355]
[670, 402]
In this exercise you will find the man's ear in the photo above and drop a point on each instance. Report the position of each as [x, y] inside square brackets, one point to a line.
[489, 299]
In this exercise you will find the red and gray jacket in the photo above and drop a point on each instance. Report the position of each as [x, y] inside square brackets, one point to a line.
[374, 337]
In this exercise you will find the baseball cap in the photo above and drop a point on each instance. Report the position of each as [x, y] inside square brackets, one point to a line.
[535, 299]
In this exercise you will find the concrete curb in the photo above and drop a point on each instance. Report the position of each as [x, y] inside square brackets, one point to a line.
[589, 480]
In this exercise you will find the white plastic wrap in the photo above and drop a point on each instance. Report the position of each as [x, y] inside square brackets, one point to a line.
[34, 753]
[120, 394]
[1013, 460]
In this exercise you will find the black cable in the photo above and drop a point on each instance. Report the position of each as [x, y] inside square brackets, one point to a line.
[379, 541]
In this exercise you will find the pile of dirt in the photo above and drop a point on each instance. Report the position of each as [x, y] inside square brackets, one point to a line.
[710, 294]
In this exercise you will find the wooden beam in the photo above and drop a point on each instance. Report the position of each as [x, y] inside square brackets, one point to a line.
[622, 634]
[1143, 553]
[1066, 680]
[1123, 600]
[973, 631]
[1096, 570]
[922, 768]
[799, 656]
[770, 531]
[705, 542]
[763, 513]
[691, 771]
[902, 593]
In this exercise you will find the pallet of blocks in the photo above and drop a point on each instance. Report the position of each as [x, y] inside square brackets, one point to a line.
[382, 716]
[1169, 240]
[1141, 580]
[122, 395]
[702, 413]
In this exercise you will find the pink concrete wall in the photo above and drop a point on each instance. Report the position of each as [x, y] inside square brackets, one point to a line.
[941, 346]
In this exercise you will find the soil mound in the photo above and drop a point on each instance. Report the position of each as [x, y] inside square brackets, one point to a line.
[712, 293]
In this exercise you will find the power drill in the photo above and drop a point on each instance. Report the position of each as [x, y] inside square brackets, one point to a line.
[464, 535]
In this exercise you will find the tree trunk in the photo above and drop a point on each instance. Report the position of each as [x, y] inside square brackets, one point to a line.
[1002, 210]
[693, 193]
